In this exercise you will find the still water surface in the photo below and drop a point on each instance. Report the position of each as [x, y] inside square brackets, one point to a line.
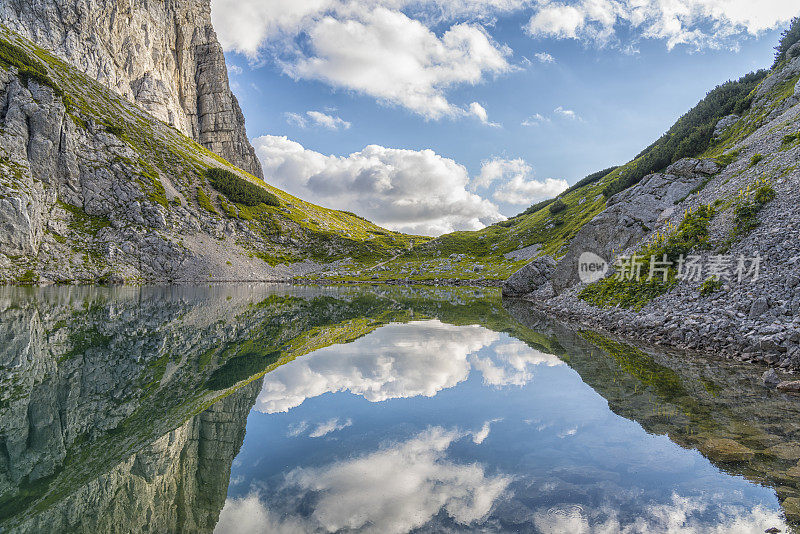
[286, 409]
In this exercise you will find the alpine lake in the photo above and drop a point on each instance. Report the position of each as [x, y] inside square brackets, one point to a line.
[290, 409]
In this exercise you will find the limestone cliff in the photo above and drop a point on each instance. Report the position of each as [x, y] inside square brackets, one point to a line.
[164, 56]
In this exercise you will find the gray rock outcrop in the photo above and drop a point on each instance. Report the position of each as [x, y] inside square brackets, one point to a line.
[632, 214]
[533, 277]
[164, 56]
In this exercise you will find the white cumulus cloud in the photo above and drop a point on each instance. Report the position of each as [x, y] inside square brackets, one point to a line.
[329, 426]
[567, 113]
[317, 119]
[697, 23]
[483, 116]
[517, 186]
[419, 358]
[535, 120]
[397, 361]
[398, 60]
[373, 48]
[407, 190]
[544, 57]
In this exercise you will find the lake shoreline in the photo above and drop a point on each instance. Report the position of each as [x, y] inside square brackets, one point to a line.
[696, 333]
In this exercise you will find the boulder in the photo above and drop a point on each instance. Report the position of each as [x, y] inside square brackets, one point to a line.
[724, 123]
[785, 451]
[770, 378]
[533, 276]
[630, 215]
[792, 386]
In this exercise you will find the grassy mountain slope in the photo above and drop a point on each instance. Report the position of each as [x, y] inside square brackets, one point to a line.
[169, 172]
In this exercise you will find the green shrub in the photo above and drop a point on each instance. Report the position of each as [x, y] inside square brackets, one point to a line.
[536, 207]
[239, 190]
[557, 206]
[727, 158]
[755, 159]
[764, 194]
[791, 138]
[745, 218]
[712, 285]
[29, 277]
[115, 129]
[590, 179]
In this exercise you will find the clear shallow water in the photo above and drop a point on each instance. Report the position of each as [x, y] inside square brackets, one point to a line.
[277, 409]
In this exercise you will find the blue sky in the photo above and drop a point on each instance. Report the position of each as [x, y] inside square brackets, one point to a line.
[474, 109]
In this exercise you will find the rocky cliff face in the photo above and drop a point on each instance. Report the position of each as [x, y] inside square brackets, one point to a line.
[164, 56]
[94, 188]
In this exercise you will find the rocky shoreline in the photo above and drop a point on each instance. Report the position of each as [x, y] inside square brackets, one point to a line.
[712, 334]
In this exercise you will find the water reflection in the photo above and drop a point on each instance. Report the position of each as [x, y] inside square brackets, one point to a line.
[401, 361]
[374, 410]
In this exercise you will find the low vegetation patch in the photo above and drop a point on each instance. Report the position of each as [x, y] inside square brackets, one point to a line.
[750, 203]
[727, 158]
[710, 286]
[27, 67]
[665, 250]
[791, 138]
[205, 202]
[239, 190]
[756, 159]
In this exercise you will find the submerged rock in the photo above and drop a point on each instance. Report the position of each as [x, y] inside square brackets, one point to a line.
[770, 378]
[726, 450]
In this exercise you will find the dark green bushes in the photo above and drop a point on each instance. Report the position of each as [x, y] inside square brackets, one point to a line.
[536, 207]
[590, 179]
[557, 206]
[241, 367]
[791, 138]
[710, 286]
[692, 134]
[240, 190]
[746, 212]
[790, 36]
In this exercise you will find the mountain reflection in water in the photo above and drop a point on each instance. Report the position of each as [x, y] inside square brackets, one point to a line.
[290, 409]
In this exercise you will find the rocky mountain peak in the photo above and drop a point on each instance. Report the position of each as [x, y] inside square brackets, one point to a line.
[164, 56]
